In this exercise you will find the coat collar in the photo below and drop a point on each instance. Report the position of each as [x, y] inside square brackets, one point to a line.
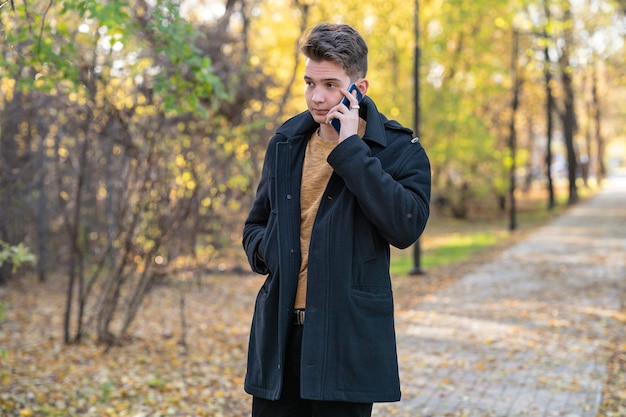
[303, 124]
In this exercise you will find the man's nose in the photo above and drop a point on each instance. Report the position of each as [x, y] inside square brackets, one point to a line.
[317, 96]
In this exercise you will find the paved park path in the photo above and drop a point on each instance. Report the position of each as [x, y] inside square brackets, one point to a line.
[524, 334]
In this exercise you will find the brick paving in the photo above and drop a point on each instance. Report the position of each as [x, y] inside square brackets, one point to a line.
[521, 335]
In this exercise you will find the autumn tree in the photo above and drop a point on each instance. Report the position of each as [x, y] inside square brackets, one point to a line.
[143, 156]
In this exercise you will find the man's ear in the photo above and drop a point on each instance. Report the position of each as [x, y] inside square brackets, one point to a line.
[363, 85]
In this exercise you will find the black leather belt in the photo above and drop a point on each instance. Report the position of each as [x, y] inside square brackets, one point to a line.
[298, 317]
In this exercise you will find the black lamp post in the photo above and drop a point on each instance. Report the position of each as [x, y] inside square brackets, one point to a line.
[417, 252]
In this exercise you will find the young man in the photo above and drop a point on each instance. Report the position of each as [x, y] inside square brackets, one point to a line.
[328, 206]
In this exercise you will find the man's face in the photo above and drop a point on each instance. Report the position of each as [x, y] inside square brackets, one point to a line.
[324, 81]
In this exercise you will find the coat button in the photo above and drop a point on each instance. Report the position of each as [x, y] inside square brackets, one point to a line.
[288, 196]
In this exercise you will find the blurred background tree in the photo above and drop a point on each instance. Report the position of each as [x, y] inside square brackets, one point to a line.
[132, 133]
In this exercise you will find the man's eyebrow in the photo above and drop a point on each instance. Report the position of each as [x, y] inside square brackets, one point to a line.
[336, 80]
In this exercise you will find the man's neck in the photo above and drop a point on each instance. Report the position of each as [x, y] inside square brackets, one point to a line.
[328, 133]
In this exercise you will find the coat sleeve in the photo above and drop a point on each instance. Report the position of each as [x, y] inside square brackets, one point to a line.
[395, 198]
[258, 217]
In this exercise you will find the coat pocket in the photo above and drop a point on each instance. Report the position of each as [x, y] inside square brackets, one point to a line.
[371, 301]
[268, 248]
[366, 353]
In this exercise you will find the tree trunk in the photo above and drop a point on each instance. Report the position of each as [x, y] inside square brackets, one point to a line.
[12, 163]
[42, 216]
[600, 143]
[568, 116]
[550, 107]
[517, 84]
[569, 123]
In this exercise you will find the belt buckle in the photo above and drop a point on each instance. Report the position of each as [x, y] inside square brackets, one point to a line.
[298, 317]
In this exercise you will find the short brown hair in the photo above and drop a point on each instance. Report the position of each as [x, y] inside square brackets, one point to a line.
[337, 43]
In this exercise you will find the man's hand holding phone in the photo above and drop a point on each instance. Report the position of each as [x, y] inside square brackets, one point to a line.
[345, 116]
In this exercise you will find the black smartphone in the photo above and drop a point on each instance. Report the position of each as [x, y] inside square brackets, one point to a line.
[346, 102]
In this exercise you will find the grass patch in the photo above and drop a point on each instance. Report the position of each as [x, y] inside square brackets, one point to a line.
[444, 251]
[447, 240]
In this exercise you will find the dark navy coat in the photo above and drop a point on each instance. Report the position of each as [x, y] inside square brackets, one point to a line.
[378, 195]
